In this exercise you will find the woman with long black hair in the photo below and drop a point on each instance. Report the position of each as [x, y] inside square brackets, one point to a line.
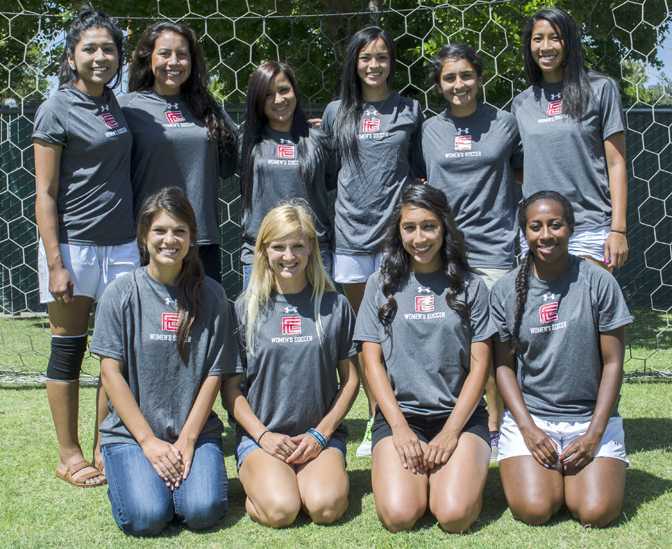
[571, 124]
[471, 151]
[282, 158]
[425, 337]
[559, 359]
[376, 136]
[84, 214]
[181, 135]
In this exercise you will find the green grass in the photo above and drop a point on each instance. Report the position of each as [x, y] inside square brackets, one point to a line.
[38, 510]
[24, 344]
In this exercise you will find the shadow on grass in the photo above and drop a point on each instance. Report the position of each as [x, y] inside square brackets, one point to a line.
[641, 488]
[643, 434]
[356, 428]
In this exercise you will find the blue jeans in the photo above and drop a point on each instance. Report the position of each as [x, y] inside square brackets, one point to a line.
[142, 505]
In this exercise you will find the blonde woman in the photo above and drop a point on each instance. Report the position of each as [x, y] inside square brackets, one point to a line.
[300, 377]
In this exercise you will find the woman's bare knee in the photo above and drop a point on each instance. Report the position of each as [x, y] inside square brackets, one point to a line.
[276, 511]
[398, 516]
[456, 516]
[327, 507]
[599, 514]
[534, 512]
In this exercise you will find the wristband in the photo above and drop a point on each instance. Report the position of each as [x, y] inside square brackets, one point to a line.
[319, 437]
[619, 232]
[261, 435]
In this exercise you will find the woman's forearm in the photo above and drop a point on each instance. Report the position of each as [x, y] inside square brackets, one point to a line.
[47, 167]
[508, 385]
[614, 148]
[379, 384]
[346, 395]
[122, 399]
[201, 409]
[473, 387]
[612, 349]
[238, 406]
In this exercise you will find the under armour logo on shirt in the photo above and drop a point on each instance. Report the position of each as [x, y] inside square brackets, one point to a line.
[103, 108]
[462, 131]
[555, 96]
[289, 309]
[549, 296]
[424, 290]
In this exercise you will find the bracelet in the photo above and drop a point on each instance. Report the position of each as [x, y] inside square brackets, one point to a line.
[619, 232]
[261, 435]
[319, 437]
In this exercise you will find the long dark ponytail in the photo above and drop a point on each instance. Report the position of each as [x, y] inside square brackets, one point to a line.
[523, 277]
[346, 126]
[396, 264]
[189, 283]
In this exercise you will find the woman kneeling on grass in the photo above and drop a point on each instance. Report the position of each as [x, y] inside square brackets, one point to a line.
[426, 346]
[300, 377]
[165, 337]
[559, 368]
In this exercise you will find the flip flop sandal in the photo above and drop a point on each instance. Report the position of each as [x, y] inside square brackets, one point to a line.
[80, 481]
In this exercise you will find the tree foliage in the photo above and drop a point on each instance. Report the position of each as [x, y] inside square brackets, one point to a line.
[620, 38]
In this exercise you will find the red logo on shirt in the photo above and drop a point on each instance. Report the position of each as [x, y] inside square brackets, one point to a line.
[286, 151]
[554, 108]
[174, 117]
[424, 303]
[370, 125]
[291, 325]
[109, 120]
[170, 322]
[548, 312]
[462, 142]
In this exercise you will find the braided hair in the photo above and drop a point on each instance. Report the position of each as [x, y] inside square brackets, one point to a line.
[523, 276]
[396, 264]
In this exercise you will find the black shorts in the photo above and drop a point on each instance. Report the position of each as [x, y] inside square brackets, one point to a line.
[426, 428]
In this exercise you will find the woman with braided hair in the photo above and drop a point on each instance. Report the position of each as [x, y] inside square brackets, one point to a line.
[425, 336]
[559, 358]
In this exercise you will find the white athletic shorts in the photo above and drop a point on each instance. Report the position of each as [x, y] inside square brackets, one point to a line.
[490, 275]
[563, 433]
[91, 267]
[582, 244]
[353, 269]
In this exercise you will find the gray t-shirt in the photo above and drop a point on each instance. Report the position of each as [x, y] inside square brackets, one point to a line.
[389, 150]
[427, 354]
[276, 178]
[291, 380]
[171, 148]
[95, 198]
[136, 324]
[471, 160]
[560, 365]
[567, 156]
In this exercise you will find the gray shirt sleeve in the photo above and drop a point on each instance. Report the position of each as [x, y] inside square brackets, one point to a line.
[611, 110]
[479, 317]
[368, 327]
[51, 121]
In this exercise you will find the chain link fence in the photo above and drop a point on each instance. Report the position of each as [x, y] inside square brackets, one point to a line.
[622, 39]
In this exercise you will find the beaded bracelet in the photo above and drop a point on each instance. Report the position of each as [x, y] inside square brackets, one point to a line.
[319, 437]
[619, 232]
